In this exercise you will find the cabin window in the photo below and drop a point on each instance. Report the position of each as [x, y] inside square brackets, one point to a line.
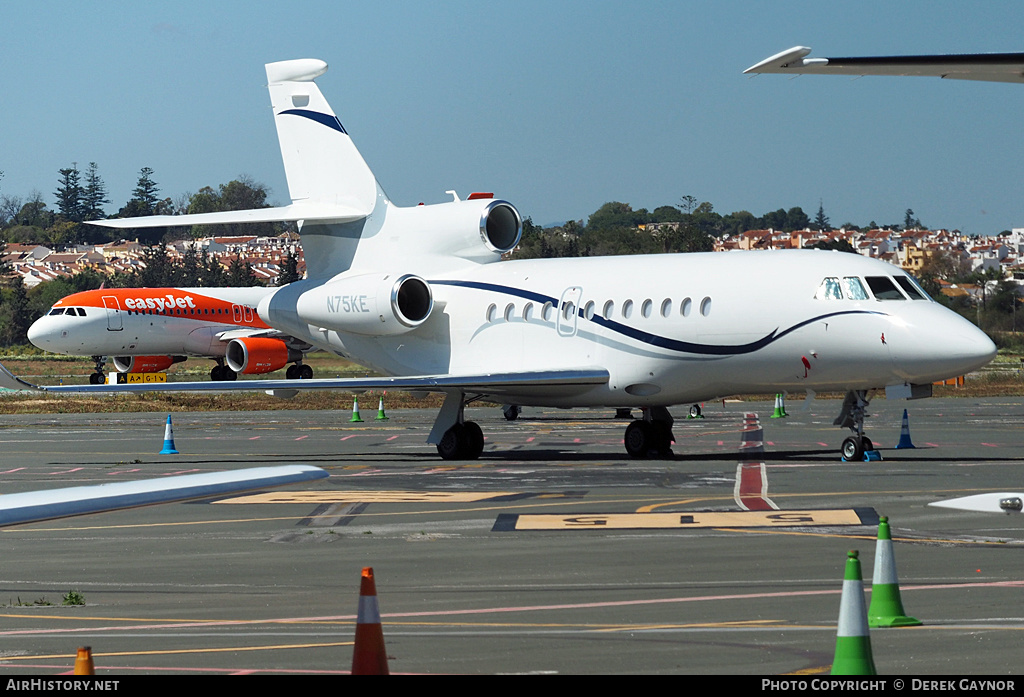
[491, 312]
[883, 288]
[528, 312]
[705, 306]
[685, 307]
[913, 291]
[645, 309]
[568, 310]
[510, 312]
[588, 310]
[627, 309]
[666, 307]
[546, 312]
[829, 290]
[854, 288]
[609, 309]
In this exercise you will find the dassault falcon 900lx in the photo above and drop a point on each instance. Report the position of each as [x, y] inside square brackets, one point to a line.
[422, 295]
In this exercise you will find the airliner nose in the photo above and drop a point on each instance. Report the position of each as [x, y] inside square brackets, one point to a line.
[942, 345]
[43, 333]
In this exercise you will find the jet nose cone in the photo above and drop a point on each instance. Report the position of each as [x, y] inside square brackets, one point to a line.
[38, 335]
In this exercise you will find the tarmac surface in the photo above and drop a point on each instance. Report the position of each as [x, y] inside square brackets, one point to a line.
[553, 553]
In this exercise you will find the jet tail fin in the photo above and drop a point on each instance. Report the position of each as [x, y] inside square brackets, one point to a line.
[321, 162]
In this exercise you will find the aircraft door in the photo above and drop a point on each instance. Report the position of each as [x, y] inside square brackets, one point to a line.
[114, 323]
[569, 311]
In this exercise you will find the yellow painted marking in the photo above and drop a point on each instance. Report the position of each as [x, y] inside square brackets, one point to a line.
[695, 519]
[319, 497]
[168, 652]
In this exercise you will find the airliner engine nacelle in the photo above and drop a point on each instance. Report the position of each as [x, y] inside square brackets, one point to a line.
[372, 304]
[145, 364]
[477, 229]
[258, 355]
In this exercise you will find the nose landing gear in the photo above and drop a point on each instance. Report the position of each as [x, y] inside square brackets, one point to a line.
[857, 447]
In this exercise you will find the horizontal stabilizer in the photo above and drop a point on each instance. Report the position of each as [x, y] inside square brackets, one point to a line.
[322, 213]
[32, 506]
[1001, 502]
[990, 67]
[561, 381]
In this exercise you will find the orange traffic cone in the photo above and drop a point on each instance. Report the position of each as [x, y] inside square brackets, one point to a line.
[369, 656]
[83, 662]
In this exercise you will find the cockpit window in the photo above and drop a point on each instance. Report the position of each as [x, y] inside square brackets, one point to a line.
[81, 311]
[829, 290]
[57, 311]
[883, 288]
[913, 291]
[854, 288]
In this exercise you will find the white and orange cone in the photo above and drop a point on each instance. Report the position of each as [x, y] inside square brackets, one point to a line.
[83, 662]
[369, 656]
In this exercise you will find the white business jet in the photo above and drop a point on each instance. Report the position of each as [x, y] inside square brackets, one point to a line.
[421, 294]
[147, 330]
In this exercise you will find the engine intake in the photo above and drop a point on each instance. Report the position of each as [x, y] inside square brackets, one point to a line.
[368, 304]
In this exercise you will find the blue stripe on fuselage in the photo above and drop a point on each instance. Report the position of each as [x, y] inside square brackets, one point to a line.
[653, 339]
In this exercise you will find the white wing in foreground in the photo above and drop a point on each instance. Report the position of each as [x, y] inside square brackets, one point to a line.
[32, 506]
[1000, 502]
[991, 67]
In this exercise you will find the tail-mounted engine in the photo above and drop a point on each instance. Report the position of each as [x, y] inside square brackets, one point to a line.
[258, 355]
[372, 304]
[476, 229]
[145, 364]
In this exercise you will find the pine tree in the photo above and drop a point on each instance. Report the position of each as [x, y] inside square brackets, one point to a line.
[290, 271]
[69, 194]
[94, 194]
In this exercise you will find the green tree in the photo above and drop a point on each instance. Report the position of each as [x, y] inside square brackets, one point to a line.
[14, 313]
[289, 271]
[240, 274]
[69, 194]
[94, 194]
[821, 221]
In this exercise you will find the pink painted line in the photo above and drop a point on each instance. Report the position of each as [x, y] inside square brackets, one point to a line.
[171, 474]
[991, 445]
[255, 438]
[123, 472]
[301, 437]
[392, 437]
[530, 439]
[482, 611]
[347, 437]
[74, 469]
[16, 469]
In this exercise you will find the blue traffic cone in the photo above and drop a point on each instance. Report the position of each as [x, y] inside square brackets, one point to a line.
[905, 433]
[168, 439]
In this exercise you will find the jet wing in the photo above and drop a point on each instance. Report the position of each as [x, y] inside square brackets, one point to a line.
[999, 502]
[560, 382]
[32, 506]
[309, 211]
[992, 67]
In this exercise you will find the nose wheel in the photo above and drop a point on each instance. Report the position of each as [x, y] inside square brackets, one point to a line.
[857, 447]
[854, 448]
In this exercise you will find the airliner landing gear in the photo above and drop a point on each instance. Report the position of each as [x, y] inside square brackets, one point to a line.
[650, 437]
[852, 415]
[222, 373]
[511, 412]
[98, 377]
[299, 371]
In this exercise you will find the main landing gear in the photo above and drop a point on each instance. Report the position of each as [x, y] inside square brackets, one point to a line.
[651, 436]
[299, 371]
[222, 373]
[456, 438]
[98, 378]
[852, 415]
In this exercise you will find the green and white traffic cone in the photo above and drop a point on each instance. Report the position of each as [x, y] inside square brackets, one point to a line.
[778, 413]
[381, 416]
[853, 640]
[355, 411]
[886, 609]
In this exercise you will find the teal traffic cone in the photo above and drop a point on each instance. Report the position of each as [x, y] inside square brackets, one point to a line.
[905, 433]
[381, 416]
[853, 639]
[168, 439]
[886, 608]
[355, 411]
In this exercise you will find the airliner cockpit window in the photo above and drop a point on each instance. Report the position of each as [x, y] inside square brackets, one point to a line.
[854, 288]
[829, 290]
[912, 290]
[81, 311]
[883, 288]
[57, 311]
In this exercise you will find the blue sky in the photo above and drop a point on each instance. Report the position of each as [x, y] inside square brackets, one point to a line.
[555, 106]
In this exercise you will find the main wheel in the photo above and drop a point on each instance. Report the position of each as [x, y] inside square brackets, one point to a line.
[511, 412]
[853, 449]
[639, 439]
[305, 372]
[96, 379]
[217, 373]
[453, 445]
[474, 440]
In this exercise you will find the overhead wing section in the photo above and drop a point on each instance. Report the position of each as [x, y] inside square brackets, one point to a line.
[992, 67]
[305, 211]
[561, 382]
[32, 506]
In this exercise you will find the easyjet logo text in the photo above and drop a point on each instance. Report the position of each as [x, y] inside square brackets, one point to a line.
[168, 302]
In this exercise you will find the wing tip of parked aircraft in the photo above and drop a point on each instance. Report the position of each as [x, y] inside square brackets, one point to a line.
[35, 506]
[996, 502]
